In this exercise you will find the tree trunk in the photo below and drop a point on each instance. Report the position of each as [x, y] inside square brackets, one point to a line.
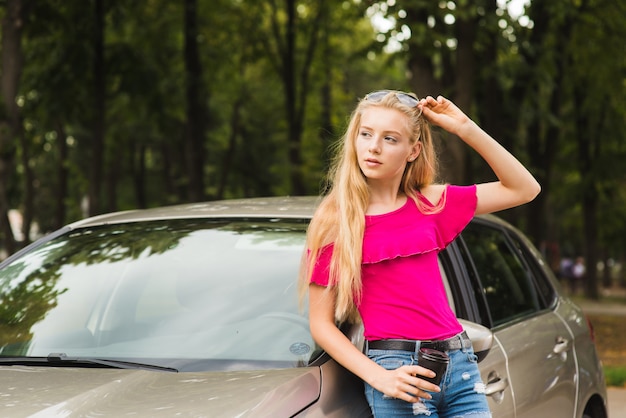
[28, 201]
[227, 160]
[138, 169]
[170, 156]
[196, 114]
[589, 191]
[327, 133]
[492, 118]
[113, 168]
[621, 278]
[590, 232]
[11, 56]
[420, 65]
[296, 84]
[62, 177]
[607, 277]
[97, 157]
[294, 130]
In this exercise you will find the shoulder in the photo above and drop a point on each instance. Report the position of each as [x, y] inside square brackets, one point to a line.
[448, 197]
[433, 193]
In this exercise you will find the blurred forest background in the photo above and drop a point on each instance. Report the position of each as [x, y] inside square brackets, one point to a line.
[109, 105]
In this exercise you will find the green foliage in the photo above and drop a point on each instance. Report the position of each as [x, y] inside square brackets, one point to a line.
[550, 87]
[615, 376]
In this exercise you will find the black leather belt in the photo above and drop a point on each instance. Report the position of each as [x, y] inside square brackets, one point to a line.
[453, 343]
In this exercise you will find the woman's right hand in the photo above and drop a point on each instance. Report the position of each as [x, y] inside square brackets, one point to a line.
[405, 383]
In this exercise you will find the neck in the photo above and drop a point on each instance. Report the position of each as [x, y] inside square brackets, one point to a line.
[385, 202]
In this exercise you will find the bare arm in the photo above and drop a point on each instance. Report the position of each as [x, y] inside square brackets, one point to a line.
[401, 383]
[515, 185]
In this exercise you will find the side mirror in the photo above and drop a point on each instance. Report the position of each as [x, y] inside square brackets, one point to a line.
[482, 338]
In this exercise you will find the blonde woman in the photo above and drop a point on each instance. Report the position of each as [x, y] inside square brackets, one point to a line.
[373, 245]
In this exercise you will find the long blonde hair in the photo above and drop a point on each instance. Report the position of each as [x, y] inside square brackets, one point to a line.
[340, 217]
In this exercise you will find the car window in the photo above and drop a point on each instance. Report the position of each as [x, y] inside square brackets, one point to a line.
[185, 290]
[503, 275]
[462, 285]
[540, 269]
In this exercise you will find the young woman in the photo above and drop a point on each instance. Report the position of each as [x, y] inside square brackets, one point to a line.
[373, 245]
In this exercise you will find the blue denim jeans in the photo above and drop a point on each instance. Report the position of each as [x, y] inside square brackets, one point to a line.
[462, 390]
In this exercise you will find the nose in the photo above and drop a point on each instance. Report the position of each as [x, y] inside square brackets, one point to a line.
[374, 146]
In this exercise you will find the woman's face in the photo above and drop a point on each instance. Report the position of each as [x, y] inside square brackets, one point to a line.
[383, 144]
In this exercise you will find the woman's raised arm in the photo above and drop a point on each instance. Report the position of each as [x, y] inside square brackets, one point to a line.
[515, 185]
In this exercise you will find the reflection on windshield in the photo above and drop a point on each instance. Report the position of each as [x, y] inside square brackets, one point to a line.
[191, 289]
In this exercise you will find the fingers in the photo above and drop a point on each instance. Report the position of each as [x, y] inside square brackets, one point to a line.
[411, 393]
[410, 387]
[418, 371]
[443, 113]
[431, 107]
[432, 110]
[431, 101]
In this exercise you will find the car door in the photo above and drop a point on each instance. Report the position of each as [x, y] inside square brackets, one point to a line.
[463, 293]
[536, 343]
[494, 372]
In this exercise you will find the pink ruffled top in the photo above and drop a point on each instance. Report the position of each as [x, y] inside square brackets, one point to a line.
[403, 292]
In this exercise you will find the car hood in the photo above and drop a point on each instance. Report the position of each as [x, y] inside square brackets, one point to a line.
[69, 392]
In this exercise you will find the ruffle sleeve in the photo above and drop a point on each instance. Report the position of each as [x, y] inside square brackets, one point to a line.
[321, 270]
[458, 211]
[407, 231]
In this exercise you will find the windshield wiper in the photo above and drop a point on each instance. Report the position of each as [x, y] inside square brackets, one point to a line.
[62, 359]
[117, 364]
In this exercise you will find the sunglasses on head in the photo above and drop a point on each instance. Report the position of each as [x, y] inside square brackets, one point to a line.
[404, 98]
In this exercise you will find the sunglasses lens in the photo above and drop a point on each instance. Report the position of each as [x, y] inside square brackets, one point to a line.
[407, 99]
[404, 98]
[377, 96]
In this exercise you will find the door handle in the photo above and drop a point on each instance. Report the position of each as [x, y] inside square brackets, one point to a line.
[496, 386]
[561, 345]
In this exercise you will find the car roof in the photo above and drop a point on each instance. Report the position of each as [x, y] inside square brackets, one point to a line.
[285, 207]
[297, 207]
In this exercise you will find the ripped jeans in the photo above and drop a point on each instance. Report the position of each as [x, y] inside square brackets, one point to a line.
[462, 390]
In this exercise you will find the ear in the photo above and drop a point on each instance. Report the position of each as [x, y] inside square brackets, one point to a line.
[415, 151]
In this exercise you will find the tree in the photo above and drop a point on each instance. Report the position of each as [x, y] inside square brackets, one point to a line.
[293, 62]
[99, 111]
[196, 109]
[10, 119]
[130, 106]
[592, 84]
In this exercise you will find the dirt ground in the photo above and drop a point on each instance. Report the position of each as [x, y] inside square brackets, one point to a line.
[610, 338]
[607, 316]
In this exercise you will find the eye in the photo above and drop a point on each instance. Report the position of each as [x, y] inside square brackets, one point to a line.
[365, 134]
[390, 139]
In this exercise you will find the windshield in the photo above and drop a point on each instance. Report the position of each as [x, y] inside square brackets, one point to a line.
[200, 294]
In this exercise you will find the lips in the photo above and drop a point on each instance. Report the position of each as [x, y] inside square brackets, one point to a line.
[372, 161]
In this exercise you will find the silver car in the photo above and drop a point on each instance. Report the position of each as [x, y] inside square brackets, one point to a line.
[192, 311]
